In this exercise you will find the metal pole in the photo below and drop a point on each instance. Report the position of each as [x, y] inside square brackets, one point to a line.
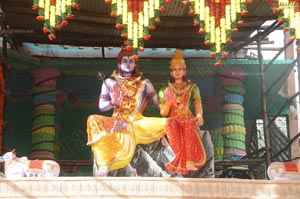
[263, 103]
[298, 69]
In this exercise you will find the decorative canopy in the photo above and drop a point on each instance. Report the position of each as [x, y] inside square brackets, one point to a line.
[216, 19]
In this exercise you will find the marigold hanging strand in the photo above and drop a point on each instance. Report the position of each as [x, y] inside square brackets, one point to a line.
[135, 18]
[217, 19]
[140, 26]
[54, 13]
[288, 13]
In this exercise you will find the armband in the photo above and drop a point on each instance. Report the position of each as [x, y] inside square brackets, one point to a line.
[199, 115]
[105, 96]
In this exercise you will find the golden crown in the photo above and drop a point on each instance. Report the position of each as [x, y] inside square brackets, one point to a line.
[177, 59]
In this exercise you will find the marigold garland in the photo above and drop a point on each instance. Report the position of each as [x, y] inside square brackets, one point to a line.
[288, 12]
[217, 19]
[54, 13]
[135, 18]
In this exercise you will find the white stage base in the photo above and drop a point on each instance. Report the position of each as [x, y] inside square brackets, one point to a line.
[147, 188]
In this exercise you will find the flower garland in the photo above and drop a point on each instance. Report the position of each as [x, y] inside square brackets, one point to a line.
[288, 12]
[217, 19]
[135, 18]
[54, 13]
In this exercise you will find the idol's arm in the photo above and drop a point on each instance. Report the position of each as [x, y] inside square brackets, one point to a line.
[165, 109]
[163, 104]
[198, 105]
[151, 93]
[104, 98]
[199, 113]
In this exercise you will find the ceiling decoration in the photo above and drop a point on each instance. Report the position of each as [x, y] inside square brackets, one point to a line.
[54, 14]
[288, 12]
[217, 19]
[92, 26]
[135, 18]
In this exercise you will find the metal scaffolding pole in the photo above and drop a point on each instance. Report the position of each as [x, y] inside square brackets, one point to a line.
[263, 102]
[298, 69]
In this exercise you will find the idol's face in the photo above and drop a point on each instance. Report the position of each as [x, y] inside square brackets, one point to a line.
[127, 65]
[178, 72]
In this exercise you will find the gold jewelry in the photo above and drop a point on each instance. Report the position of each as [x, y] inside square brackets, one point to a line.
[181, 91]
[105, 96]
[177, 59]
[199, 115]
[128, 85]
[179, 85]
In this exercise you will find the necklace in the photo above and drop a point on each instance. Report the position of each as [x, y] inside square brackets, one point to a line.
[128, 85]
[179, 86]
[179, 89]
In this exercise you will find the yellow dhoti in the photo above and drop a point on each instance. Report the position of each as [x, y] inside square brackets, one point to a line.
[116, 149]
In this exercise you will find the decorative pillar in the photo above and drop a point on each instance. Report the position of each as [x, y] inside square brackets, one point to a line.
[43, 126]
[234, 131]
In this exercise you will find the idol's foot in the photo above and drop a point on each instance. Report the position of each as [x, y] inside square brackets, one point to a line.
[102, 171]
[191, 167]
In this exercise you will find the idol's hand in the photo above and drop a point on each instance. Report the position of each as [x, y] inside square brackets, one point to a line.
[200, 120]
[116, 95]
[170, 97]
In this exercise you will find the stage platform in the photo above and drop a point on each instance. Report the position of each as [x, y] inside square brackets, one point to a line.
[146, 188]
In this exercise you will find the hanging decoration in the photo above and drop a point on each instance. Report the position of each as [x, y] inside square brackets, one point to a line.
[135, 18]
[54, 13]
[288, 12]
[217, 19]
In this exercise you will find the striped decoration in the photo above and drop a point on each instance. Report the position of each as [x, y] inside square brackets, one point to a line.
[43, 125]
[234, 131]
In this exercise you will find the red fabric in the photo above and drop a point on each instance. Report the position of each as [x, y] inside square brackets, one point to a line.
[36, 164]
[186, 143]
[290, 167]
[183, 133]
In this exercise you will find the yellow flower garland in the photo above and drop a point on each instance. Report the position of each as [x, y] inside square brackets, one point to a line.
[209, 12]
[54, 14]
[136, 30]
[289, 13]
